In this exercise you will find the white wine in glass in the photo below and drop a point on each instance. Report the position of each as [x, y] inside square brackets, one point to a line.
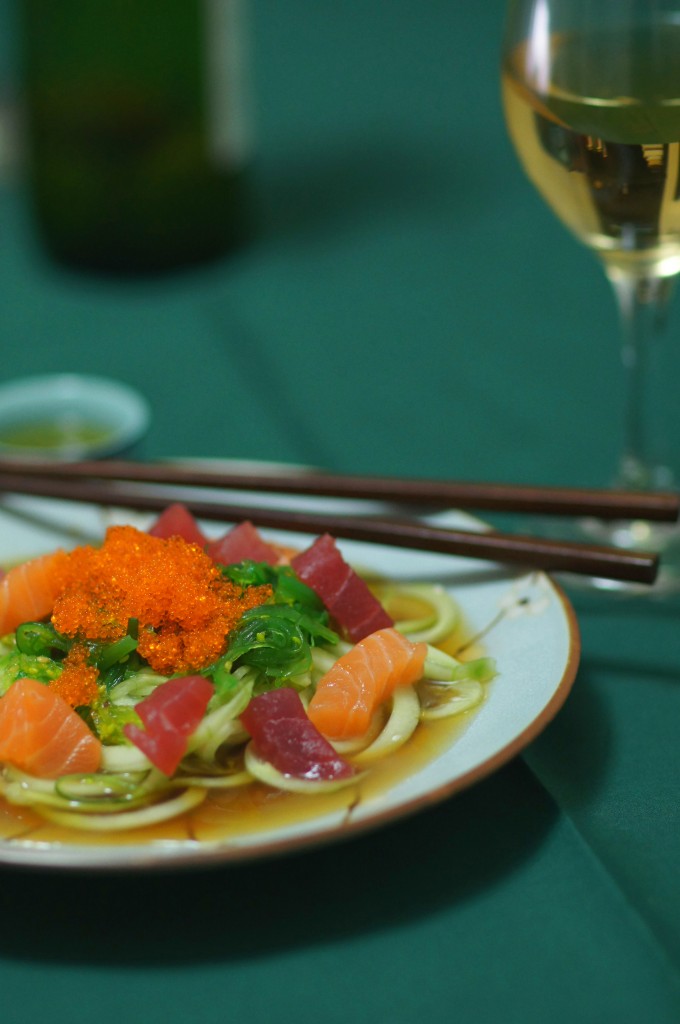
[591, 92]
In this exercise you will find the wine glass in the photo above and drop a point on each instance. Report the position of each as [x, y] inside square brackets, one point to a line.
[591, 92]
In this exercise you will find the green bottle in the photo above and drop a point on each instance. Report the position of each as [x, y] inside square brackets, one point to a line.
[137, 147]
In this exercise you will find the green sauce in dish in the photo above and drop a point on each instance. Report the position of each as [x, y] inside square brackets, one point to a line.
[53, 435]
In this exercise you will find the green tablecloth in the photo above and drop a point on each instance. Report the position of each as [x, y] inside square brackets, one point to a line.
[407, 306]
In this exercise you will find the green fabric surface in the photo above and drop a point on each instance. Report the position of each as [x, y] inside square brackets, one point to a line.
[406, 305]
[618, 737]
[489, 907]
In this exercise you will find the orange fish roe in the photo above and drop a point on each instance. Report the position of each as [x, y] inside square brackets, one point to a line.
[184, 606]
[77, 683]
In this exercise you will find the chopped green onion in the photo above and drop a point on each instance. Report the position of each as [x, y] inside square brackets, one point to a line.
[115, 652]
[443, 701]
[263, 771]
[401, 724]
[40, 639]
[438, 624]
[123, 821]
[100, 786]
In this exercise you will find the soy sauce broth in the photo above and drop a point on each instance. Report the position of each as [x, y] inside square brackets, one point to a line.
[235, 814]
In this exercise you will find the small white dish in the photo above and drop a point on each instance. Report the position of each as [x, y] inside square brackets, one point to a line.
[69, 416]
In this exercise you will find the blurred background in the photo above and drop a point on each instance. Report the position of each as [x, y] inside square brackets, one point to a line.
[403, 303]
[400, 301]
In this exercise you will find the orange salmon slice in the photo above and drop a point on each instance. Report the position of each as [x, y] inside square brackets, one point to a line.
[42, 735]
[348, 695]
[28, 591]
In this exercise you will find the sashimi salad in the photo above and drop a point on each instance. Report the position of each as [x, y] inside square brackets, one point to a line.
[140, 674]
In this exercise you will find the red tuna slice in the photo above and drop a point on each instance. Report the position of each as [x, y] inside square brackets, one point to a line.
[177, 521]
[171, 713]
[242, 543]
[346, 596]
[284, 736]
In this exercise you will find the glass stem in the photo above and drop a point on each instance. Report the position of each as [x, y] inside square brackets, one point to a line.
[647, 455]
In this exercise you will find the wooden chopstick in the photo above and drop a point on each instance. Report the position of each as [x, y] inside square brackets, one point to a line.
[532, 552]
[660, 506]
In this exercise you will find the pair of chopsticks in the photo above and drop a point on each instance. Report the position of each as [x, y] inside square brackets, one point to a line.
[152, 486]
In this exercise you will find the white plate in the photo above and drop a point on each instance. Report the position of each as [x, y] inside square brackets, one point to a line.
[529, 628]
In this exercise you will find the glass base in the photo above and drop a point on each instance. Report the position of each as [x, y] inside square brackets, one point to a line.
[638, 535]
